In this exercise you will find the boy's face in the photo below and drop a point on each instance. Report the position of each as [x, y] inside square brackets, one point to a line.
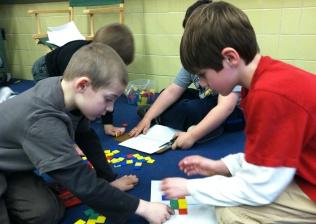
[95, 103]
[222, 81]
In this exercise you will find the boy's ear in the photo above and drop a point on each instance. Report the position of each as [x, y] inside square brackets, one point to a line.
[230, 55]
[82, 83]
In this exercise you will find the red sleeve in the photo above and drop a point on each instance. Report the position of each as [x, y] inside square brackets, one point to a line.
[274, 130]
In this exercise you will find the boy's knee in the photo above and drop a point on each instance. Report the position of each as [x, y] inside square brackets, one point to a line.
[186, 107]
[226, 215]
[238, 215]
[49, 212]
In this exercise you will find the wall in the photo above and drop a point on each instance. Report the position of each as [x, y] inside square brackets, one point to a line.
[286, 29]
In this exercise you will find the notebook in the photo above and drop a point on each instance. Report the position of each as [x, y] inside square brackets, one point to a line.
[150, 143]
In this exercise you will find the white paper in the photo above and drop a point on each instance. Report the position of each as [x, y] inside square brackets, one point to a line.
[197, 213]
[149, 143]
[60, 35]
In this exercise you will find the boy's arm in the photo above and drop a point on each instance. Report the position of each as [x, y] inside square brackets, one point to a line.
[225, 106]
[167, 97]
[88, 141]
[216, 116]
[170, 95]
[96, 192]
[109, 129]
[252, 185]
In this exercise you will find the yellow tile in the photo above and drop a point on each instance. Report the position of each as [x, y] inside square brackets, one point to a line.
[101, 219]
[91, 221]
[182, 203]
[80, 221]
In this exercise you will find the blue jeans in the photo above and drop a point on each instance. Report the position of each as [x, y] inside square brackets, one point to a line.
[190, 110]
[39, 69]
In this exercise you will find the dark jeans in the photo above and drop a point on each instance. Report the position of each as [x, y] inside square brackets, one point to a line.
[39, 69]
[190, 110]
[25, 198]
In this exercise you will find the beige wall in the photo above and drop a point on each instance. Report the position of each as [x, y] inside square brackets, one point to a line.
[286, 29]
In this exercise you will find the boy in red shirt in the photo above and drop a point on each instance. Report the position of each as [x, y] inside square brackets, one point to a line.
[274, 180]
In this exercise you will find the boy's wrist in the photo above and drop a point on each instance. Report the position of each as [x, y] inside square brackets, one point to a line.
[193, 135]
[147, 118]
[220, 168]
[141, 208]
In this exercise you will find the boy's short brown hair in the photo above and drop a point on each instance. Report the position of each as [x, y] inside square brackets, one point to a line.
[210, 29]
[100, 63]
[120, 38]
[191, 8]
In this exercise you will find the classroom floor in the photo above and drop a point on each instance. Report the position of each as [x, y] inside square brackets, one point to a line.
[165, 164]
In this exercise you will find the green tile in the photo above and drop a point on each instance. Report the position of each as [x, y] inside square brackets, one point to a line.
[134, 6]
[134, 76]
[291, 3]
[139, 44]
[290, 21]
[151, 6]
[285, 30]
[246, 4]
[162, 44]
[288, 47]
[268, 44]
[82, 23]
[137, 65]
[306, 47]
[163, 23]
[307, 24]
[265, 21]
[162, 65]
[25, 25]
[174, 204]
[309, 3]
[307, 65]
[135, 21]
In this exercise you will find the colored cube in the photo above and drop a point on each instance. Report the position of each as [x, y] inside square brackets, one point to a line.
[101, 219]
[182, 204]
[80, 221]
[183, 211]
[174, 204]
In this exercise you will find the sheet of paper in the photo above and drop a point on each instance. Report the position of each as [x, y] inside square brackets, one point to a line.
[197, 213]
[149, 143]
[60, 35]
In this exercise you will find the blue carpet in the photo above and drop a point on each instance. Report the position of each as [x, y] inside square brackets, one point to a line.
[165, 164]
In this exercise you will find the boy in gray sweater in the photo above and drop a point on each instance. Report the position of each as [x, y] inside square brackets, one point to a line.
[48, 115]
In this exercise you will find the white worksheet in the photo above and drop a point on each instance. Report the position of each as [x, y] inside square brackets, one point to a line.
[156, 136]
[197, 213]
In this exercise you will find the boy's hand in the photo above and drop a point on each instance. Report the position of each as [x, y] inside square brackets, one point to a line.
[78, 150]
[125, 183]
[109, 129]
[154, 212]
[174, 187]
[192, 165]
[184, 140]
[142, 127]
